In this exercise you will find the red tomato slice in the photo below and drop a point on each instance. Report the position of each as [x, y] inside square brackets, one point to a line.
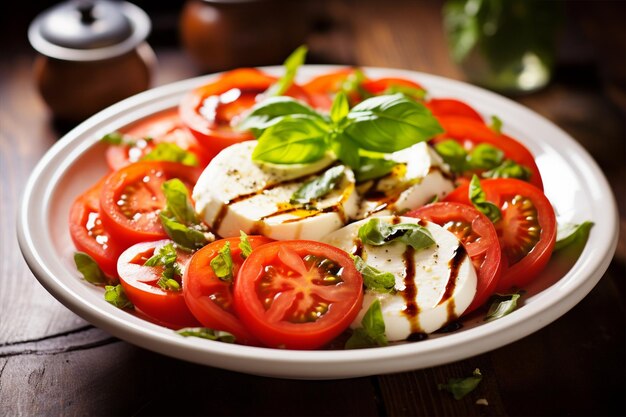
[322, 88]
[527, 230]
[211, 110]
[89, 235]
[446, 107]
[298, 294]
[131, 199]
[479, 237]
[380, 85]
[470, 133]
[209, 298]
[140, 284]
[164, 127]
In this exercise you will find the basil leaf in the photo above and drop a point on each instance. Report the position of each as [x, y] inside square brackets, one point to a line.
[346, 149]
[371, 168]
[508, 169]
[166, 257]
[271, 110]
[501, 305]
[340, 108]
[178, 203]
[205, 333]
[452, 154]
[372, 330]
[188, 237]
[222, 264]
[244, 245]
[484, 156]
[377, 233]
[390, 123]
[292, 140]
[410, 92]
[568, 233]
[479, 200]
[89, 268]
[460, 387]
[291, 64]
[496, 124]
[318, 186]
[373, 278]
[353, 85]
[114, 294]
[116, 138]
[166, 151]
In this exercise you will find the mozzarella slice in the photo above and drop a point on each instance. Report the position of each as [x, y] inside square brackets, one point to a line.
[235, 193]
[419, 176]
[433, 286]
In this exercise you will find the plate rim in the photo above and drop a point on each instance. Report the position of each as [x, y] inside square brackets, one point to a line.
[316, 364]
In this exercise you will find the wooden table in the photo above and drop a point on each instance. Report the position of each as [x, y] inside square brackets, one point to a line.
[52, 362]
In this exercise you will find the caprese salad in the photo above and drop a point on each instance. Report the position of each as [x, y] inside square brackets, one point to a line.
[344, 211]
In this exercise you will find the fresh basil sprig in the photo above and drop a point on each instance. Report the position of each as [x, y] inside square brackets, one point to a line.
[568, 233]
[115, 295]
[377, 233]
[89, 268]
[373, 278]
[166, 257]
[205, 333]
[479, 200]
[460, 387]
[318, 186]
[381, 124]
[222, 264]
[179, 218]
[372, 330]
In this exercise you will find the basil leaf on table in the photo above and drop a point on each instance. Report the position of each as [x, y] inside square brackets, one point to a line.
[377, 233]
[372, 330]
[318, 186]
[460, 387]
[390, 123]
[292, 140]
[89, 268]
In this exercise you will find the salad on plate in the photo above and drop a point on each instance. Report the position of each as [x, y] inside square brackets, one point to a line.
[342, 212]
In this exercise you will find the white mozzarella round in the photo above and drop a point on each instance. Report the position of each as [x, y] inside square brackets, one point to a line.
[441, 287]
[235, 193]
[419, 176]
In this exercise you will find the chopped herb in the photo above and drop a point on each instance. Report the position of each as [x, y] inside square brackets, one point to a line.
[166, 257]
[205, 333]
[479, 200]
[244, 245]
[116, 296]
[373, 278]
[222, 264]
[372, 330]
[87, 266]
[460, 387]
[496, 124]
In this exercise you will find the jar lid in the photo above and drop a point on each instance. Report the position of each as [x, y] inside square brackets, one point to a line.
[89, 30]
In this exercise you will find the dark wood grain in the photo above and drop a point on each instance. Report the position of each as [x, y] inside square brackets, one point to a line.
[54, 363]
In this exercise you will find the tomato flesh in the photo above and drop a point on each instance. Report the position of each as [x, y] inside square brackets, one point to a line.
[298, 294]
[478, 235]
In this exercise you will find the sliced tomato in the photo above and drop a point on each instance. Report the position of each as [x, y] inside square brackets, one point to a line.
[211, 111]
[446, 107]
[209, 298]
[381, 85]
[131, 199]
[298, 294]
[166, 307]
[164, 127]
[321, 89]
[88, 233]
[470, 133]
[479, 237]
[526, 231]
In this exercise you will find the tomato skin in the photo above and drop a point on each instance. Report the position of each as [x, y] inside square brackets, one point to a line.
[123, 227]
[471, 132]
[270, 325]
[500, 192]
[481, 244]
[215, 135]
[164, 127]
[139, 282]
[380, 85]
[89, 236]
[447, 107]
[201, 287]
[322, 88]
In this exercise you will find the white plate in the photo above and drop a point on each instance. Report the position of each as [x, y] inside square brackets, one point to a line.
[573, 183]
